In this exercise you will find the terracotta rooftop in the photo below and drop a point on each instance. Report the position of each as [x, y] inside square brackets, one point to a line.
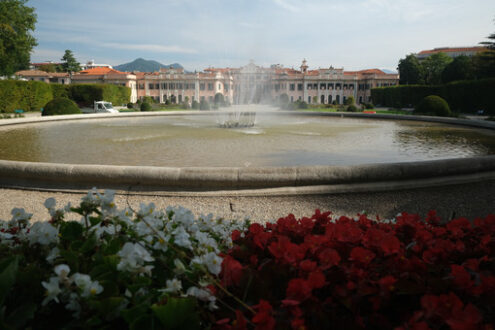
[367, 71]
[100, 71]
[452, 50]
[39, 73]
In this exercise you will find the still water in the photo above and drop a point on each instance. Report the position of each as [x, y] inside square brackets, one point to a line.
[189, 141]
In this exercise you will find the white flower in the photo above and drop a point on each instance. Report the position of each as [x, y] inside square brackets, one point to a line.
[212, 262]
[181, 238]
[106, 201]
[20, 217]
[73, 304]
[173, 286]
[133, 256]
[180, 268]
[92, 197]
[43, 233]
[52, 290]
[50, 203]
[52, 255]
[88, 287]
[62, 271]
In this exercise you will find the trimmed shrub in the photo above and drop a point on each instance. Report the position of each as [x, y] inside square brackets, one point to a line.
[130, 105]
[462, 96]
[25, 95]
[59, 90]
[349, 100]
[352, 108]
[60, 106]
[86, 94]
[434, 105]
[145, 106]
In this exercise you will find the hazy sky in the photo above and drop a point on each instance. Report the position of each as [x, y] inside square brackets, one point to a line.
[354, 34]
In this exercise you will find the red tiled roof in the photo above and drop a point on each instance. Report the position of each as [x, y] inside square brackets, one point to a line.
[100, 71]
[39, 73]
[452, 50]
[367, 71]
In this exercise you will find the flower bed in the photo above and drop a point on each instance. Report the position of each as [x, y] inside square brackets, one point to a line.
[154, 269]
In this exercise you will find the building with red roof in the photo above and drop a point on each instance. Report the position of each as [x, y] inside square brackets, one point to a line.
[451, 51]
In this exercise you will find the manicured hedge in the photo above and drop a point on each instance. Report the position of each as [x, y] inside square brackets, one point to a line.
[60, 106]
[33, 95]
[86, 94]
[462, 96]
[25, 95]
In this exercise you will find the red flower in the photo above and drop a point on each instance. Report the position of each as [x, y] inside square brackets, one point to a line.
[231, 271]
[386, 242]
[458, 226]
[361, 255]
[465, 319]
[263, 319]
[344, 231]
[284, 250]
[298, 324]
[387, 283]
[328, 258]
[307, 265]
[235, 235]
[316, 279]
[461, 277]
[298, 289]
[240, 322]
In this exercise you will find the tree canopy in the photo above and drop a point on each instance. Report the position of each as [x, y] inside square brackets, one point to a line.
[461, 68]
[410, 71]
[433, 66]
[69, 63]
[17, 21]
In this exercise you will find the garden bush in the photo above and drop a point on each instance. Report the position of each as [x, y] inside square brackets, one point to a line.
[145, 106]
[433, 105]
[60, 106]
[121, 268]
[25, 95]
[352, 108]
[86, 94]
[130, 105]
[349, 100]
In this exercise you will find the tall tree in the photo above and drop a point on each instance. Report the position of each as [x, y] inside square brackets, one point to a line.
[69, 63]
[16, 42]
[461, 68]
[410, 71]
[485, 61]
[433, 67]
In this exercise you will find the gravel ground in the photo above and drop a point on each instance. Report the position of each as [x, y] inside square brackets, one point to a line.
[468, 200]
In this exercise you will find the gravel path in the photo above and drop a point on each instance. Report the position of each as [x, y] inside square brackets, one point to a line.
[468, 200]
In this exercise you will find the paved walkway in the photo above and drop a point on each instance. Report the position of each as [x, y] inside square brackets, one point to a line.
[468, 200]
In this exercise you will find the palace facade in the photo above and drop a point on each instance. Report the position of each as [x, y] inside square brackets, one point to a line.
[247, 84]
[255, 84]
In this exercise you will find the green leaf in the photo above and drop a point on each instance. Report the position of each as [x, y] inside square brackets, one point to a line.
[19, 317]
[143, 322]
[113, 246]
[178, 313]
[89, 245]
[8, 271]
[71, 231]
[134, 313]
[71, 258]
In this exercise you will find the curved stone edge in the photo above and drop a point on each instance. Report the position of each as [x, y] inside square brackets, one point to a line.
[69, 176]
[250, 181]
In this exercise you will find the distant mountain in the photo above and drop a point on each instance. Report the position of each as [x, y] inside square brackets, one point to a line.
[389, 71]
[143, 65]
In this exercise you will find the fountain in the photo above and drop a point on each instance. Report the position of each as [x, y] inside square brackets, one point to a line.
[297, 152]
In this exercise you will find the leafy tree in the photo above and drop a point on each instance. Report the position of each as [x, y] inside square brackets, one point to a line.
[349, 100]
[434, 66]
[69, 63]
[461, 68]
[48, 67]
[485, 62]
[16, 41]
[410, 71]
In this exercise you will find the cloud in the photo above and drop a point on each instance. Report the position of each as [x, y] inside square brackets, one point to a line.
[287, 6]
[149, 47]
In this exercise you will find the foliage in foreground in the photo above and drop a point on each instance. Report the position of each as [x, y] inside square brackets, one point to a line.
[97, 266]
[324, 273]
[110, 268]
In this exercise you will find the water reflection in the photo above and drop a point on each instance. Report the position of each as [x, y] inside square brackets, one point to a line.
[188, 141]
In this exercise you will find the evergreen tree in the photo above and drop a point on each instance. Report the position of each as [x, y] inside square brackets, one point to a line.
[433, 67]
[16, 42]
[410, 71]
[69, 63]
[461, 68]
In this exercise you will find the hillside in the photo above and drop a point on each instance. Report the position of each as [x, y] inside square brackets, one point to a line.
[143, 65]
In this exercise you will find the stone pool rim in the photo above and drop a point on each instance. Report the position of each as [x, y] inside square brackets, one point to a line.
[247, 181]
